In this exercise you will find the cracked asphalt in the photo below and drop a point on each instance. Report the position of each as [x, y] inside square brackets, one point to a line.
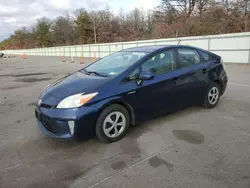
[194, 147]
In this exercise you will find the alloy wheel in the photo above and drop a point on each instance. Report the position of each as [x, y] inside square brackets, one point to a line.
[213, 95]
[114, 124]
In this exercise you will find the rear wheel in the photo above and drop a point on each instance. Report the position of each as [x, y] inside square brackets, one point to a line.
[112, 123]
[212, 96]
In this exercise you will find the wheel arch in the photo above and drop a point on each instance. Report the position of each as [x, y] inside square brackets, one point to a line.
[123, 104]
[219, 82]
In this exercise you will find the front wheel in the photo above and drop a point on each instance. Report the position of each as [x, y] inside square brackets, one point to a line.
[212, 96]
[112, 123]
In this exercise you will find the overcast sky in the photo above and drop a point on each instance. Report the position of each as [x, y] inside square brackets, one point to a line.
[18, 13]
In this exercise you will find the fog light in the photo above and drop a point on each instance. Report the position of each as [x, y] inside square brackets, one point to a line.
[71, 127]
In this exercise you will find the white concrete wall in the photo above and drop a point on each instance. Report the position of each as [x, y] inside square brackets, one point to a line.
[234, 48]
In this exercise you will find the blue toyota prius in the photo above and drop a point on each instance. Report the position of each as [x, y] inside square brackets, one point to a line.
[129, 87]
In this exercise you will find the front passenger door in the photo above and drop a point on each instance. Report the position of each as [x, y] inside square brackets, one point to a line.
[159, 95]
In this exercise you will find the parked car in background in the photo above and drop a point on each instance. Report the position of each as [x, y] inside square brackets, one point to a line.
[129, 87]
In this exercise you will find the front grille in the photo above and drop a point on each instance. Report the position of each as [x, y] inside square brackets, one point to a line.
[43, 105]
[46, 122]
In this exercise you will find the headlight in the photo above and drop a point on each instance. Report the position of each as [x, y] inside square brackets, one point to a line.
[75, 101]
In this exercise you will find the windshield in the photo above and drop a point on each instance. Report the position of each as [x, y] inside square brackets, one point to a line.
[115, 63]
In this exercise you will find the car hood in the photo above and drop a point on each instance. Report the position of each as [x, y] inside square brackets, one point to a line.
[74, 84]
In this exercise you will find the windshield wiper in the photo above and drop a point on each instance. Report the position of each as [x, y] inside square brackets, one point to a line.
[85, 72]
[96, 73]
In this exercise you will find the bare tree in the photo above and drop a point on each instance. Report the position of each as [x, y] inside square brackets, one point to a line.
[63, 30]
[201, 6]
[182, 6]
[246, 13]
[96, 20]
[173, 18]
[121, 19]
[102, 17]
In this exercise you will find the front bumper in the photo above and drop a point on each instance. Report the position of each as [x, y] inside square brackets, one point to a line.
[54, 122]
[51, 134]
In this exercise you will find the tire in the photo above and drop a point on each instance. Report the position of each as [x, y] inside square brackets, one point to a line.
[212, 96]
[106, 121]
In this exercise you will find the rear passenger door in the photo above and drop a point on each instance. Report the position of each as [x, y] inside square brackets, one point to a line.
[193, 75]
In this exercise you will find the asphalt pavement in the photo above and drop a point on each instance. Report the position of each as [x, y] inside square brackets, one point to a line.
[195, 147]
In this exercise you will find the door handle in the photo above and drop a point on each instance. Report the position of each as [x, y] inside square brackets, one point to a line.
[176, 80]
[204, 71]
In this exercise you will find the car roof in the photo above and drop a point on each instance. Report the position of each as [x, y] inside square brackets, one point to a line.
[154, 48]
[145, 48]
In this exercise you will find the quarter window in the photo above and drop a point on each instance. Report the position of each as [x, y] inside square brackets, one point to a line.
[160, 63]
[205, 56]
[133, 75]
[188, 57]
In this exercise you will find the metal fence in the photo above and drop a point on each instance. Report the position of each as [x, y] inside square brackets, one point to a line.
[234, 48]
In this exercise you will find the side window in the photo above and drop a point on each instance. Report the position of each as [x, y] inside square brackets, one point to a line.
[188, 57]
[160, 63]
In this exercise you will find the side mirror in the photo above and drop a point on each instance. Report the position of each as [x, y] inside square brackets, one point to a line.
[146, 75]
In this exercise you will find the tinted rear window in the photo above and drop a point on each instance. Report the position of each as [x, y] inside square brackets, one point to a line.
[188, 57]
